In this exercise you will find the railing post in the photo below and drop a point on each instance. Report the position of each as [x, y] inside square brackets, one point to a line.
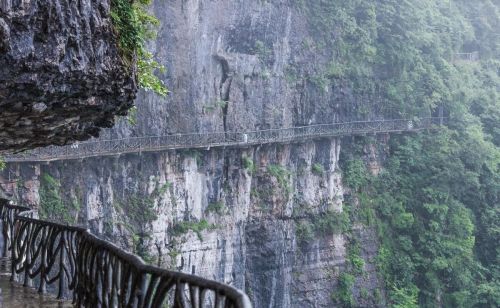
[26, 281]
[43, 262]
[62, 260]
[3, 233]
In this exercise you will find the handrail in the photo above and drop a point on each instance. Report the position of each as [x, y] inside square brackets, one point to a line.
[221, 139]
[73, 263]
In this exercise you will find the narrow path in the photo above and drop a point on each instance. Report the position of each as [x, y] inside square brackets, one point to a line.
[221, 139]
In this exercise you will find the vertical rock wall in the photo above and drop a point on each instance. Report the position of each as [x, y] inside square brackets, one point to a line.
[233, 215]
[251, 217]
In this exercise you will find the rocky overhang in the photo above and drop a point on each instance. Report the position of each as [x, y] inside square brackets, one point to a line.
[61, 74]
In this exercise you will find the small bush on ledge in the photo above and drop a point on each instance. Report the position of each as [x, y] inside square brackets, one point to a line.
[135, 26]
[216, 207]
[197, 227]
[318, 169]
[281, 174]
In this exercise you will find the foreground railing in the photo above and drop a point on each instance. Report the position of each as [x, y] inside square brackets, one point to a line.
[220, 139]
[73, 263]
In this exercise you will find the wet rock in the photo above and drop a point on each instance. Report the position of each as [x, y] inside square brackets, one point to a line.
[58, 61]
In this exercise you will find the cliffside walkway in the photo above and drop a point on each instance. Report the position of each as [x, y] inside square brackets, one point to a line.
[221, 139]
[72, 263]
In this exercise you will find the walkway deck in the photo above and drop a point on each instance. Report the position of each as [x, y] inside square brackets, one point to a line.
[220, 139]
[14, 295]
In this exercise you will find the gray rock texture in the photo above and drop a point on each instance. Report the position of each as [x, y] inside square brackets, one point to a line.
[61, 75]
[231, 65]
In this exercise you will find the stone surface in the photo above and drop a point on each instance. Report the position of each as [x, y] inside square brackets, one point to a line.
[253, 243]
[261, 57]
[61, 75]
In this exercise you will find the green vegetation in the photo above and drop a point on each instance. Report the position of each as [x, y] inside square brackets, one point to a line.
[434, 209]
[52, 205]
[438, 198]
[404, 297]
[221, 104]
[139, 210]
[331, 223]
[304, 232]
[248, 164]
[132, 116]
[343, 294]
[319, 225]
[216, 207]
[364, 293]
[2, 163]
[262, 51]
[282, 176]
[135, 26]
[437, 217]
[318, 169]
[355, 174]
[254, 193]
[354, 260]
[197, 227]
[353, 49]
[436, 203]
[291, 75]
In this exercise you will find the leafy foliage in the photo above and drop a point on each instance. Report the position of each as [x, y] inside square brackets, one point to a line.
[304, 232]
[281, 174]
[320, 225]
[135, 26]
[52, 205]
[355, 175]
[248, 164]
[354, 259]
[436, 203]
[343, 295]
[197, 227]
[140, 212]
[331, 223]
[318, 169]
[425, 200]
[216, 207]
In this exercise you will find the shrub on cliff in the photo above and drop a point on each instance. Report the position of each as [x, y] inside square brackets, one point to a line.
[135, 26]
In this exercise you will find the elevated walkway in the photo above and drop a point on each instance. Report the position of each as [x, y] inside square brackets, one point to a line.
[221, 139]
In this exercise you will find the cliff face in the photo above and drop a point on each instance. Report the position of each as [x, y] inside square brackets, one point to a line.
[235, 215]
[211, 214]
[61, 76]
[243, 65]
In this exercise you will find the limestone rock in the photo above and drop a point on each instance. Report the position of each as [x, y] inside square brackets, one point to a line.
[61, 75]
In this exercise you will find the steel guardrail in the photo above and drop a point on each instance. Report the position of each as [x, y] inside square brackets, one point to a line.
[220, 139]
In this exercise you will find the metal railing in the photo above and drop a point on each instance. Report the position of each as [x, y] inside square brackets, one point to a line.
[466, 56]
[73, 263]
[220, 139]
